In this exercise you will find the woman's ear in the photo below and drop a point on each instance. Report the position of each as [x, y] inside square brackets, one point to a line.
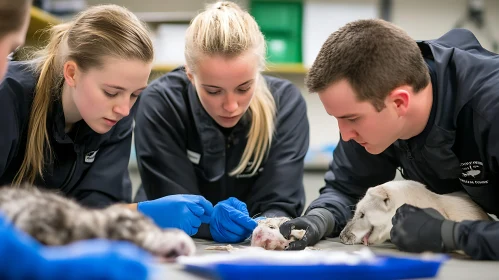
[189, 74]
[70, 69]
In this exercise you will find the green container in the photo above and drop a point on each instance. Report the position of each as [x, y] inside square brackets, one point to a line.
[281, 23]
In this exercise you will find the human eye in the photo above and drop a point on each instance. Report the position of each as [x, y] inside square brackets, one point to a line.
[213, 92]
[353, 120]
[109, 94]
[136, 95]
[244, 90]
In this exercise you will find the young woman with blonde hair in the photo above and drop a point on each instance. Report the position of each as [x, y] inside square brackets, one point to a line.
[65, 117]
[82, 260]
[219, 128]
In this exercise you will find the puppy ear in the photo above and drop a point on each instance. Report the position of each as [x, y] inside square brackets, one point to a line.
[379, 192]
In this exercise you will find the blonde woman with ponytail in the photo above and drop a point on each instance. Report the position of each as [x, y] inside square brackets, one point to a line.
[66, 115]
[219, 128]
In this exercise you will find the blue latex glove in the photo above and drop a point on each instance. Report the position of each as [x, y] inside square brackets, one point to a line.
[21, 257]
[230, 221]
[182, 211]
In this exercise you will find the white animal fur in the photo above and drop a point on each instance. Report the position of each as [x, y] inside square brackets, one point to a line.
[372, 221]
[268, 236]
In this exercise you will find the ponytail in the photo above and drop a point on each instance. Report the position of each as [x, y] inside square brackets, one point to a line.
[49, 68]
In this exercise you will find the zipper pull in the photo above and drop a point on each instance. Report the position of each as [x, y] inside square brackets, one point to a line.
[229, 141]
[408, 150]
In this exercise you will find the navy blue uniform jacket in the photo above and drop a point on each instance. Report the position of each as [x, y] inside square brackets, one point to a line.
[458, 149]
[181, 150]
[89, 167]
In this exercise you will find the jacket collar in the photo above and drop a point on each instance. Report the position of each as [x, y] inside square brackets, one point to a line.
[57, 123]
[435, 143]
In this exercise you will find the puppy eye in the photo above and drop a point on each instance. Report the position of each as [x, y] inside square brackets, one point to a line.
[386, 200]
[361, 215]
[271, 227]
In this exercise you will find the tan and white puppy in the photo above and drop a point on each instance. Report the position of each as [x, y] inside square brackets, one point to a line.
[372, 221]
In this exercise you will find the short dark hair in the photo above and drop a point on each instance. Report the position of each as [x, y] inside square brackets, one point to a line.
[374, 56]
[12, 15]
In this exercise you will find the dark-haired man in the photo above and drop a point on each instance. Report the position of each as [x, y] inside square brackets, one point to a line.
[429, 108]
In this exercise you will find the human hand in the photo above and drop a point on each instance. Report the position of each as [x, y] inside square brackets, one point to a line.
[311, 225]
[230, 221]
[182, 211]
[418, 230]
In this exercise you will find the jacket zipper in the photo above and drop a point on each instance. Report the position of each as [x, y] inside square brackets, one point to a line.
[228, 144]
[408, 151]
[73, 167]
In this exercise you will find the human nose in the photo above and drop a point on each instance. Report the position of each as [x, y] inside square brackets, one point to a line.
[123, 106]
[346, 131]
[230, 103]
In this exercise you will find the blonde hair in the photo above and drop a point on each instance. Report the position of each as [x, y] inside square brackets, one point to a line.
[98, 32]
[225, 29]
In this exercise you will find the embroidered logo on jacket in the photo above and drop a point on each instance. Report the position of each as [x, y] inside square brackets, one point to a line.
[90, 156]
[472, 173]
[193, 156]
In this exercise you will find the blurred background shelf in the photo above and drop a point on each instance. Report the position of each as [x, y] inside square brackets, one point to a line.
[40, 20]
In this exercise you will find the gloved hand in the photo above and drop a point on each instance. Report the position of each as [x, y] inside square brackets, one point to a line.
[312, 225]
[418, 230]
[22, 257]
[95, 259]
[230, 221]
[182, 211]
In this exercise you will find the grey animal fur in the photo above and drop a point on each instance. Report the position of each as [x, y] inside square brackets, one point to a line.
[55, 220]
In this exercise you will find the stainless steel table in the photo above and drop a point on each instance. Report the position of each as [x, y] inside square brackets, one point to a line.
[459, 267]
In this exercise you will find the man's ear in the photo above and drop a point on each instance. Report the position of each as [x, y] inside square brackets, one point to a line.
[69, 71]
[380, 193]
[399, 98]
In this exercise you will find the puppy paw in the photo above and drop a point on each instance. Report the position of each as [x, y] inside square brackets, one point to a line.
[171, 243]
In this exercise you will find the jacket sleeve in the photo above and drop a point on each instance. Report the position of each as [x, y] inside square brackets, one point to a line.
[9, 131]
[351, 172]
[478, 239]
[107, 180]
[160, 143]
[279, 189]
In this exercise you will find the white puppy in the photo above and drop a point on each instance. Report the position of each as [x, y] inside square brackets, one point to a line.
[372, 221]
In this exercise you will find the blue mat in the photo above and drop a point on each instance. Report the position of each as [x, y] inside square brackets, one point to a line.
[384, 267]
